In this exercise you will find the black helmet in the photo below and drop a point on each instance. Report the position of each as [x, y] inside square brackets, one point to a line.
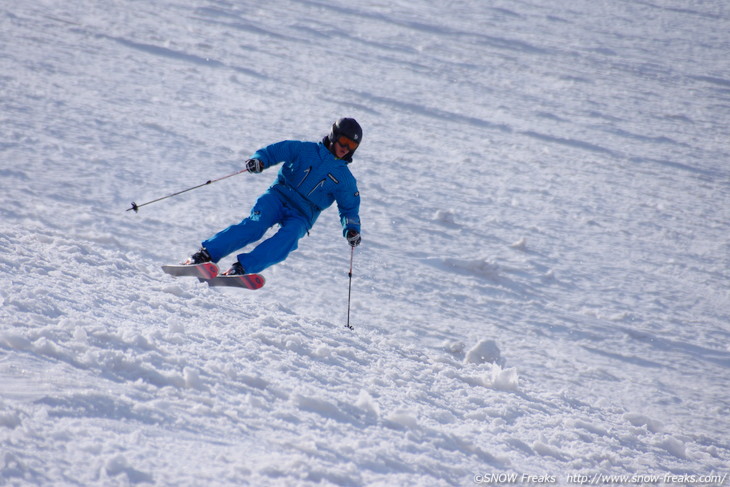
[347, 127]
[350, 129]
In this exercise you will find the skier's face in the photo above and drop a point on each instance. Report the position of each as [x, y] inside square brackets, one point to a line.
[343, 145]
[341, 150]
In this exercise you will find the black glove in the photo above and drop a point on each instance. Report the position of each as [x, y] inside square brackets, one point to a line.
[353, 237]
[254, 165]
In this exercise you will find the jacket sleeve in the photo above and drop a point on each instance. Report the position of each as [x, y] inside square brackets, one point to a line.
[348, 204]
[278, 152]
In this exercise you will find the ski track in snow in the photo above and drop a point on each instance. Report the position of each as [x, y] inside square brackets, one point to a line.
[542, 286]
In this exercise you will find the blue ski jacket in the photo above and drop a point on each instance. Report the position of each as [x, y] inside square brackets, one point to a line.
[311, 179]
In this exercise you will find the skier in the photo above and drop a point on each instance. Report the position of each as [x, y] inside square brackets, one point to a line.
[312, 177]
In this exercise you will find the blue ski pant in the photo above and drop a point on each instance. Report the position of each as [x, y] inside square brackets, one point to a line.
[268, 211]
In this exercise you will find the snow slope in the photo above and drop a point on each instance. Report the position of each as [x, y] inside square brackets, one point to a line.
[542, 287]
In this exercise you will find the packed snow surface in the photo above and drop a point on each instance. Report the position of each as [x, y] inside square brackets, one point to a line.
[542, 289]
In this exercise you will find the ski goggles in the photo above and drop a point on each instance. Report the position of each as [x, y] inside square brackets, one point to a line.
[347, 142]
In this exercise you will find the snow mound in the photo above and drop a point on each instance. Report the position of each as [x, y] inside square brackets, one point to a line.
[520, 244]
[501, 379]
[445, 217]
[486, 351]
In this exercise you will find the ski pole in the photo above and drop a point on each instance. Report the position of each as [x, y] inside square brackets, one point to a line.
[349, 290]
[136, 207]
